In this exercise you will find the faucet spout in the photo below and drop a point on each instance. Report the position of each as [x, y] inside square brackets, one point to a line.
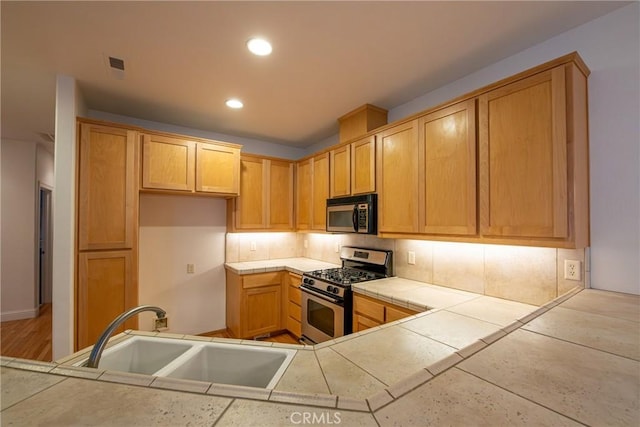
[96, 352]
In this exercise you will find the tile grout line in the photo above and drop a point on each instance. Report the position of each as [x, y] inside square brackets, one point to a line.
[224, 411]
[33, 395]
[520, 396]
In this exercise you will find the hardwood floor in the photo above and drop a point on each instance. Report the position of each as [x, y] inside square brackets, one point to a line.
[28, 338]
[31, 338]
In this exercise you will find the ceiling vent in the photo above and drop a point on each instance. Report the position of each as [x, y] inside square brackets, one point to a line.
[115, 66]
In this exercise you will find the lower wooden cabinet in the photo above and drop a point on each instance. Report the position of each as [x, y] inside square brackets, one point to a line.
[293, 305]
[370, 312]
[106, 288]
[254, 303]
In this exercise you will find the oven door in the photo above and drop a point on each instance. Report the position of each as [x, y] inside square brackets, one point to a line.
[322, 316]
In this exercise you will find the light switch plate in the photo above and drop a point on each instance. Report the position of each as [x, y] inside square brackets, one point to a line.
[411, 257]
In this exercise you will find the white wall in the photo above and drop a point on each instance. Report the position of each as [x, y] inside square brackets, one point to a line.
[44, 166]
[176, 231]
[610, 46]
[17, 283]
[69, 104]
[253, 146]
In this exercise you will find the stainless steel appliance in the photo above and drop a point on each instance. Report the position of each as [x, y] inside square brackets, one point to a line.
[327, 301]
[355, 214]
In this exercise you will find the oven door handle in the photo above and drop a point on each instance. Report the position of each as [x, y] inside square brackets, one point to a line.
[319, 295]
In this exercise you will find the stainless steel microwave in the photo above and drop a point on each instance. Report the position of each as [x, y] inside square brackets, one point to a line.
[355, 214]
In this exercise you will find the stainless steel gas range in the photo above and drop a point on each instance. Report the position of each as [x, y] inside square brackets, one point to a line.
[327, 301]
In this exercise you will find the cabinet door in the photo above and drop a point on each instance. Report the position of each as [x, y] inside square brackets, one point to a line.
[393, 313]
[398, 176]
[448, 156]
[363, 166]
[340, 180]
[107, 187]
[167, 163]
[263, 310]
[106, 288]
[280, 195]
[523, 164]
[320, 194]
[360, 323]
[217, 169]
[250, 212]
[303, 194]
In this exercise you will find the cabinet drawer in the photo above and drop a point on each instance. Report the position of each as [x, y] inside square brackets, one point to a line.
[294, 326]
[397, 313]
[368, 308]
[261, 279]
[295, 295]
[295, 311]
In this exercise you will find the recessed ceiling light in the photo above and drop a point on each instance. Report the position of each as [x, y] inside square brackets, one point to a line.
[259, 47]
[234, 103]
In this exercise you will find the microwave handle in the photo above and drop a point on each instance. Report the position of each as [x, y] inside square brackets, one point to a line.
[354, 218]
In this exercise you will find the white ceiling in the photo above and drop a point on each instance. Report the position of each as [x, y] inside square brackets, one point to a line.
[183, 59]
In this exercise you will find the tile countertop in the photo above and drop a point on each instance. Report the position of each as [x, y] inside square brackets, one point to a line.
[295, 265]
[576, 359]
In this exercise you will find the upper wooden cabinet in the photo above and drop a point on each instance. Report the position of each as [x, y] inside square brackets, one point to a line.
[178, 164]
[107, 187]
[304, 169]
[266, 195]
[398, 175]
[340, 179]
[353, 168]
[448, 170]
[533, 158]
[320, 194]
[312, 192]
[363, 165]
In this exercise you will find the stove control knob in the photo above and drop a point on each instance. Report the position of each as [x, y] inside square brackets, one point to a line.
[308, 281]
[329, 288]
[335, 290]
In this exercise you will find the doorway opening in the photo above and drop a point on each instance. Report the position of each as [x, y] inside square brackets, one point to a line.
[44, 247]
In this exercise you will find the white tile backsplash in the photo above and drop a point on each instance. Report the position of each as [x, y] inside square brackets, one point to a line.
[530, 275]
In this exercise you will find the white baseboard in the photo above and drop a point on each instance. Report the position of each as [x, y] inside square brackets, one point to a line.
[19, 315]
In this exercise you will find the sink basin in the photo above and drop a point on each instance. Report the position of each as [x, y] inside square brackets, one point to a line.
[246, 365]
[142, 355]
[232, 364]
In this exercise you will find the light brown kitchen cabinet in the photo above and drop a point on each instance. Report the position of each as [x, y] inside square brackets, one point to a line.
[107, 228]
[353, 168]
[369, 312]
[107, 190]
[189, 165]
[340, 179]
[107, 288]
[293, 304]
[168, 163]
[363, 165]
[266, 195]
[304, 189]
[448, 170]
[253, 303]
[398, 178]
[533, 159]
[320, 193]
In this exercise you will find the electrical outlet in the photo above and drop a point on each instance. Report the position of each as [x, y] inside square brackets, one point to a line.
[572, 270]
[191, 268]
[337, 247]
[160, 324]
[252, 246]
[411, 257]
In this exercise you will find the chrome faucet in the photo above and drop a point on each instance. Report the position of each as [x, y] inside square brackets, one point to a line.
[96, 353]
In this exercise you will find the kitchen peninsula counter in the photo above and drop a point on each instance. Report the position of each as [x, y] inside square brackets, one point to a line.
[470, 359]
